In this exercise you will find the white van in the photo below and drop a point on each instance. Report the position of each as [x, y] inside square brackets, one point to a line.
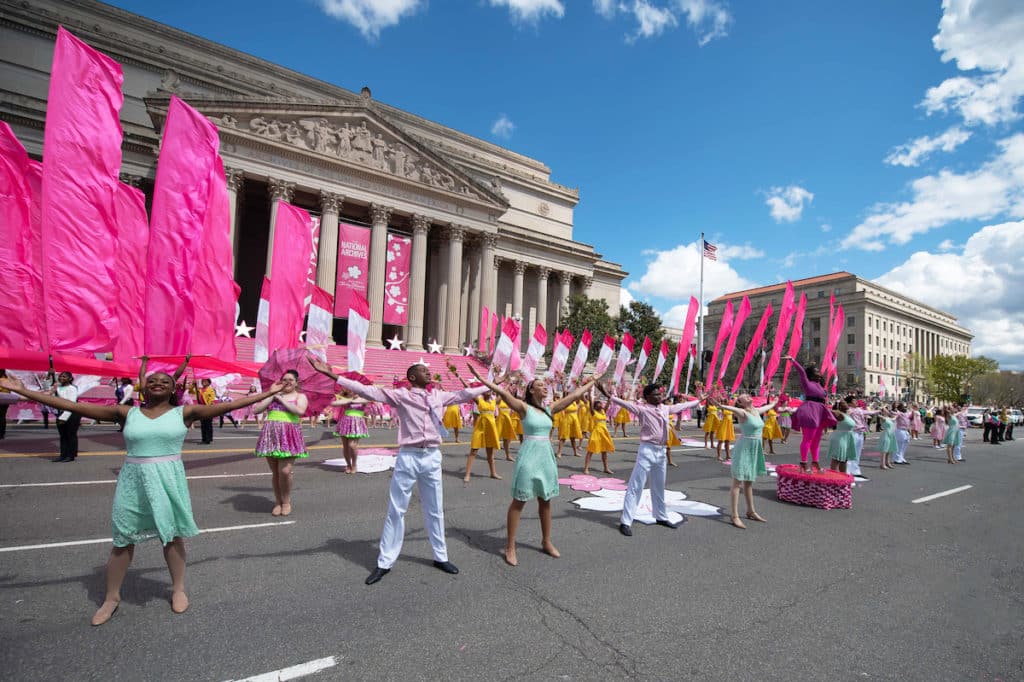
[974, 416]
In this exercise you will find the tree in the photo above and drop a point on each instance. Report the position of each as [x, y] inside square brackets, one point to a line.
[588, 313]
[999, 388]
[950, 376]
[640, 320]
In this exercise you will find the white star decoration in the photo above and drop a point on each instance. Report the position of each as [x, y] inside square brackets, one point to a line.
[244, 330]
[395, 343]
[434, 347]
[467, 350]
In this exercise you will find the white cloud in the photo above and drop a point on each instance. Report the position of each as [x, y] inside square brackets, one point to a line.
[606, 8]
[917, 150]
[676, 274]
[995, 188]
[708, 18]
[825, 227]
[625, 298]
[651, 21]
[986, 38]
[744, 252]
[981, 290]
[531, 11]
[503, 127]
[370, 16]
[947, 245]
[786, 204]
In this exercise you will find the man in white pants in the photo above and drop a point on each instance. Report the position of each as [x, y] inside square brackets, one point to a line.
[650, 456]
[902, 435]
[420, 433]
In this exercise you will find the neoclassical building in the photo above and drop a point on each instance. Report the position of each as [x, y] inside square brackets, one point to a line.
[488, 226]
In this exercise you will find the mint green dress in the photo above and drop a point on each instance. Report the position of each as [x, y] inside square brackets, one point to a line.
[887, 443]
[151, 499]
[748, 451]
[841, 445]
[535, 473]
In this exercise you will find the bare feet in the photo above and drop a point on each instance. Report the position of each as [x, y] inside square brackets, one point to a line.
[609, 471]
[286, 509]
[105, 611]
[276, 511]
[586, 472]
[510, 556]
[496, 477]
[672, 464]
[179, 602]
[510, 459]
[754, 516]
[549, 549]
[736, 522]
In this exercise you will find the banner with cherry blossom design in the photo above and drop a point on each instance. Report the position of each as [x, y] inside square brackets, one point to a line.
[396, 282]
[353, 267]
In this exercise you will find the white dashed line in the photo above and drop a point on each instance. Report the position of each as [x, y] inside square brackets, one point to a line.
[106, 540]
[293, 672]
[952, 491]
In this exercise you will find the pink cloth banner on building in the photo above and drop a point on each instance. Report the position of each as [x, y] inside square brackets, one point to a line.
[130, 273]
[723, 331]
[319, 320]
[494, 329]
[485, 316]
[781, 331]
[625, 351]
[579, 361]
[353, 266]
[396, 283]
[20, 297]
[181, 200]
[358, 316]
[796, 339]
[261, 347]
[81, 162]
[314, 251]
[605, 355]
[755, 343]
[288, 276]
[730, 346]
[215, 294]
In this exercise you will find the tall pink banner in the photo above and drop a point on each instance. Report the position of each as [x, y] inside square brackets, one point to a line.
[625, 351]
[494, 328]
[677, 368]
[21, 298]
[689, 325]
[214, 292]
[781, 331]
[503, 349]
[834, 333]
[579, 361]
[130, 273]
[662, 357]
[318, 322]
[485, 316]
[605, 355]
[396, 283]
[261, 347]
[797, 338]
[181, 200]
[288, 276]
[353, 266]
[730, 346]
[314, 251]
[645, 352]
[560, 354]
[755, 343]
[81, 161]
[723, 331]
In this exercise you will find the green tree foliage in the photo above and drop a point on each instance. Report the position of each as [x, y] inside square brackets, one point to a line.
[587, 313]
[999, 389]
[950, 377]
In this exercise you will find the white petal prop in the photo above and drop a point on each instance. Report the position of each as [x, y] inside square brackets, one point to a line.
[613, 500]
[693, 508]
[366, 464]
[603, 504]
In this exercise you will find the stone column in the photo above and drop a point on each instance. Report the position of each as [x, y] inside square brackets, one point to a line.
[496, 267]
[467, 273]
[280, 190]
[475, 276]
[417, 282]
[587, 283]
[379, 216]
[456, 233]
[565, 279]
[327, 254]
[542, 297]
[236, 179]
[488, 279]
[519, 268]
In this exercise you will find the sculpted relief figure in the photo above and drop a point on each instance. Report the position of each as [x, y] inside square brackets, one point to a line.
[380, 149]
[397, 157]
[318, 134]
[411, 171]
[261, 126]
[343, 136]
[228, 121]
[293, 135]
[361, 140]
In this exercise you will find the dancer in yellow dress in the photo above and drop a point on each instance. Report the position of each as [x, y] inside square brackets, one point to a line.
[506, 428]
[584, 415]
[673, 439]
[771, 430]
[453, 419]
[725, 434]
[569, 429]
[485, 435]
[710, 425]
[621, 419]
[600, 440]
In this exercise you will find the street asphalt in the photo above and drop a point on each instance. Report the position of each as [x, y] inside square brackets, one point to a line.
[887, 590]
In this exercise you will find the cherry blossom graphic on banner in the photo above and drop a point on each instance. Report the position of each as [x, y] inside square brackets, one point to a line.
[396, 286]
[353, 267]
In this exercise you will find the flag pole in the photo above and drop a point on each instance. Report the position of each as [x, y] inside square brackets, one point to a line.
[700, 301]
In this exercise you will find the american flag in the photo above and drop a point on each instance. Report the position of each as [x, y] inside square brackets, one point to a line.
[710, 250]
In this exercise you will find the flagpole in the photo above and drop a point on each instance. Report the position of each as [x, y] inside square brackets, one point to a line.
[700, 301]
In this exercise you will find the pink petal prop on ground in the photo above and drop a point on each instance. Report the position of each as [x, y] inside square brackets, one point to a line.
[583, 477]
[365, 452]
[586, 486]
[607, 480]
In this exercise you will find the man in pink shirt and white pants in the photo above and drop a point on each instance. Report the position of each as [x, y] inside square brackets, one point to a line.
[420, 433]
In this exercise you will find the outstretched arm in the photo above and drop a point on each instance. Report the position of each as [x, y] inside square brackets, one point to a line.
[181, 370]
[110, 413]
[574, 396]
[513, 402]
[193, 412]
[765, 408]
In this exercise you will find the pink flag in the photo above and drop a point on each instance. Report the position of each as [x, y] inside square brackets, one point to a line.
[881, 387]
[288, 276]
[781, 331]
[579, 361]
[81, 160]
[534, 352]
[485, 316]
[689, 367]
[662, 357]
[261, 350]
[130, 273]
[515, 358]
[21, 297]
[677, 368]
[797, 338]
[358, 327]
[723, 331]
[318, 323]
[690, 324]
[834, 334]
[560, 355]
[730, 346]
[503, 349]
[604, 357]
[214, 292]
[396, 283]
[755, 343]
[353, 266]
[313, 255]
[625, 351]
[494, 329]
[645, 352]
[181, 201]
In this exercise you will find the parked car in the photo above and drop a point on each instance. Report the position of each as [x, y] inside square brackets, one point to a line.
[974, 416]
[1016, 416]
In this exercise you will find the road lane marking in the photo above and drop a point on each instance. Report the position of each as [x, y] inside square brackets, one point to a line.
[98, 541]
[951, 491]
[293, 672]
[114, 480]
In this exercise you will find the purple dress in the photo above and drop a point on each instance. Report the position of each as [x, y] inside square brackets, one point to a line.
[813, 413]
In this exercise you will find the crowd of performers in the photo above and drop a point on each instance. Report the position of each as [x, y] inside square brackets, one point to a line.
[152, 501]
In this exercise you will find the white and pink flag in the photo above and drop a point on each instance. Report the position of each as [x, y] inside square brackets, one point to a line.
[358, 328]
[319, 320]
[662, 357]
[534, 352]
[625, 351]
[261, 337]
[645, 352]
[604, 357]
[81, 162]
[677, 368]
[314, 222]
[882, 390]
[288, 276]
[579, 361]
[560, 354]
[396, 282]
[485, 317]
[494, 330]
[503, 349]
[353, 266]
[130, 274]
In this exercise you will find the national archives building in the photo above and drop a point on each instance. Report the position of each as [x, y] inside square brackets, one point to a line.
[488, 226]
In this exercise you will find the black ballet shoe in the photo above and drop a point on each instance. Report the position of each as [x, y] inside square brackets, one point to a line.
[377, 574]
[447, 567]
[625, 530]
[667, 523]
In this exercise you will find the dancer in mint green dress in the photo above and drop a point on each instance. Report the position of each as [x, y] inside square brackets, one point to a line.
[535, 473]
[151, 499]
[747, 455]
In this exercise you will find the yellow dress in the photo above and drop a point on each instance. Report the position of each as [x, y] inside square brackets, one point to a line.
[452, 417]
[570, 426]
[584, 418]
[506, 429]
[600, 439]
[711, 420]
[485, 431]
[724, 429]
[622, 416]
[771, 426]
[673, 439]
[517, 422]
[556, 421]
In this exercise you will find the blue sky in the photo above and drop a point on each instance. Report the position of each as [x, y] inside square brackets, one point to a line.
[878, 137]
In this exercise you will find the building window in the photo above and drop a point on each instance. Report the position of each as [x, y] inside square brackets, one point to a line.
[851, 338]
[876, 323]
[850, 380]
[885, 326]
[851, 358]
[816, 342]
[821, 294]
[851, 321]
[816, 325]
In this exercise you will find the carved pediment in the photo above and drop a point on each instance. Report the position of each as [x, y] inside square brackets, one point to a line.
[350, 134]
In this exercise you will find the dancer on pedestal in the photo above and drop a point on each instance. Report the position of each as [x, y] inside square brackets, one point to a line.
[151, 499]
[420, 432]
[813, 416]
[650, 457]
[748, 455]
